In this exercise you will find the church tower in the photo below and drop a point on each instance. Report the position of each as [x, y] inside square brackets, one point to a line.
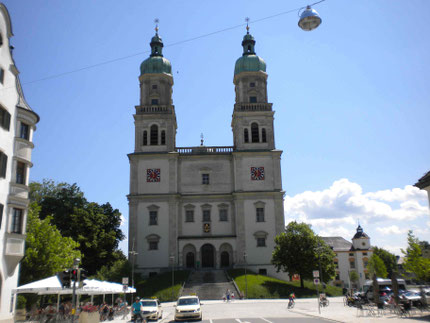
[253, 116]
[155, 119]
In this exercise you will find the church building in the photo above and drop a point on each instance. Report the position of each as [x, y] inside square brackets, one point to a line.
[205, 206]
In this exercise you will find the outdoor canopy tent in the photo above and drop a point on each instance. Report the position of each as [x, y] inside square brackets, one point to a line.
[52, 285]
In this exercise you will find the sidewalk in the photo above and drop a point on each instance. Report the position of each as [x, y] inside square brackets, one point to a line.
[337, 312]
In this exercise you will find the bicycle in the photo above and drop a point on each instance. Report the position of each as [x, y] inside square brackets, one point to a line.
[324, 302]
[291, 304]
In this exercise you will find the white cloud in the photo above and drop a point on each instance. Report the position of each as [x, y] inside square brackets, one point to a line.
[398, 195]
[393, 229]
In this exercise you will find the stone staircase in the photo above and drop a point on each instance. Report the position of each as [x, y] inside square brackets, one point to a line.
[208, 284]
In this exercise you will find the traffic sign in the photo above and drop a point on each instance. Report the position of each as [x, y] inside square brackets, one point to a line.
[316, 273]
[316, 281]
[125, 280]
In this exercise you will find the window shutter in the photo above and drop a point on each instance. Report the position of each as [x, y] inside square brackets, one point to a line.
[3, 164]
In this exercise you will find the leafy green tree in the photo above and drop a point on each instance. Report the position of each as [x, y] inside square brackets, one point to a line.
[95, 227]
[298, 251]
[376, 266]
[46, 251]
[389, 259]
[415, 262]
[353, 277]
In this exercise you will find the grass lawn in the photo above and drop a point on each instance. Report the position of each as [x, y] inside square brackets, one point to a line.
[160, 286]
[260, 286]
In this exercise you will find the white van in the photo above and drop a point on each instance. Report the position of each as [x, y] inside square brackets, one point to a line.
[382, 283]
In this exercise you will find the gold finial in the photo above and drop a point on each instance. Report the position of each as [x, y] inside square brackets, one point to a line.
[247, 25]
[156, 21]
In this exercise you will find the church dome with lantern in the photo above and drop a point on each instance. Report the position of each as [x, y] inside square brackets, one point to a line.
[156, 63]
[249, 62]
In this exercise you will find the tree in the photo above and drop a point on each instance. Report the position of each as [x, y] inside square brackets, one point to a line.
[389, 259]
[376, 266]
[415, 262]
[95, 227]
[46, 251]
[298, 251]
[353, 277]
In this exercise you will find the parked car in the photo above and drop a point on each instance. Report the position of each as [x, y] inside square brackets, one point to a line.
[188, 307]
[413, 297]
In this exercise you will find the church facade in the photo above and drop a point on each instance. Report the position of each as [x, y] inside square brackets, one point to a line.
[204, 207]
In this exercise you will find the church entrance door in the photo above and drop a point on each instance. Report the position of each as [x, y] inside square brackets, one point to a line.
[225, 259]
[208, 256]
[190, 260]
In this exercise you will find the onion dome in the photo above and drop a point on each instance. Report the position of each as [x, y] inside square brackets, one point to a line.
[360, 233]
[249, 62]
[156, 63]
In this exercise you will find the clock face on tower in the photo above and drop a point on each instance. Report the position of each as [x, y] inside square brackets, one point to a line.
[257, 173]
[153, 175]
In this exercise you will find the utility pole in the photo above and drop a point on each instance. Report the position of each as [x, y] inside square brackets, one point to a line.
[75, 267]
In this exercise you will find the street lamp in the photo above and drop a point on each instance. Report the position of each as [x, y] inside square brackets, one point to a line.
[309, 19]
[76, 262]
[133, 255]
[246, 280]
[319, 251]
[172, 259]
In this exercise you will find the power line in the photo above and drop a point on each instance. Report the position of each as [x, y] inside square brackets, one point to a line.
[50, 77]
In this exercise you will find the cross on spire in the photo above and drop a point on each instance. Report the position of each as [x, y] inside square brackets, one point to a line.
[156, 21]
[247, 25]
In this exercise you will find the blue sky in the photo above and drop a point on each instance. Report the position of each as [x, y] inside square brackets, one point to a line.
[351, 98]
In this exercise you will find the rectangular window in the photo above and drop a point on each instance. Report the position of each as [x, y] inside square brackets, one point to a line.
[223, 215]
[336, 264]
[365, 263]
[337, 277]
[364, 253]
[351, 254]
[189, 216]
[352, 264]
[206, 215]
[1, 75]
[153, 245]
[4, 119]
[252, 84]
[252, 99]
[25, 131]
[153, 218]
[16, 221]
[154, 86]
[154, 101]
[3, 164]
[1, 213]
[205, 179]
[260, 214]
[20, 173]
[262, 271]
[261, 242]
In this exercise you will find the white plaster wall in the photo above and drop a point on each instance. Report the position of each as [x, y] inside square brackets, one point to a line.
[259, 255]
[243, 173]
[145, 187]
[217, 166]
[217, 227]
[152, 258]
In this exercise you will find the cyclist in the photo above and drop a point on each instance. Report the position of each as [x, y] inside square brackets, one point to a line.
[137, 311]
[291, 300]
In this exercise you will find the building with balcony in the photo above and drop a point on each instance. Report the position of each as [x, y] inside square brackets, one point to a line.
[351, 257]
[204, 207]
[17, 125]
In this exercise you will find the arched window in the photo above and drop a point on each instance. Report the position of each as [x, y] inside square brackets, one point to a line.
[154, 135]
[246, 135]
[254, 132]
[163, 137]
[145, 138]
[263, 135]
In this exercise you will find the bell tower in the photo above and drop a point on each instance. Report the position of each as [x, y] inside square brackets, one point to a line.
[155, 119]
[252, 122]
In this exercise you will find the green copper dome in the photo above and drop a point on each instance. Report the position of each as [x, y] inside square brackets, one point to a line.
[249, 62]
[156, 63]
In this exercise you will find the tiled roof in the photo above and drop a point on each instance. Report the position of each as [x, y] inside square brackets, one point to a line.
[338, 243]
[424, 181]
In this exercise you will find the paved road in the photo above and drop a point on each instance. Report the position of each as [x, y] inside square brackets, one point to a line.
[275, 311]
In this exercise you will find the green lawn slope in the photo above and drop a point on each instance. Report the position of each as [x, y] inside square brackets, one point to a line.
[160, 286]
[260, 286]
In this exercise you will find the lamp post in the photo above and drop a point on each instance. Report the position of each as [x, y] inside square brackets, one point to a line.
[172, 259]
[133, 255]
[319, 252]
[76, 262]
[246, 280]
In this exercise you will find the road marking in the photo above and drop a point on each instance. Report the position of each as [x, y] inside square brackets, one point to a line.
[242, 322]
[265, 320]
[210, 320]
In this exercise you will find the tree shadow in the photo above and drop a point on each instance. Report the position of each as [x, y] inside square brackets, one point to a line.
[284, 290]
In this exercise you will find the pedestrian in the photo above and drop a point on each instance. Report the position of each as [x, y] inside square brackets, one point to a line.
[228, 295]
[232, 296]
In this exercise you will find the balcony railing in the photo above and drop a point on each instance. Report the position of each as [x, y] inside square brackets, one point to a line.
[203, 150]
[147, 109]
[253, 107]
